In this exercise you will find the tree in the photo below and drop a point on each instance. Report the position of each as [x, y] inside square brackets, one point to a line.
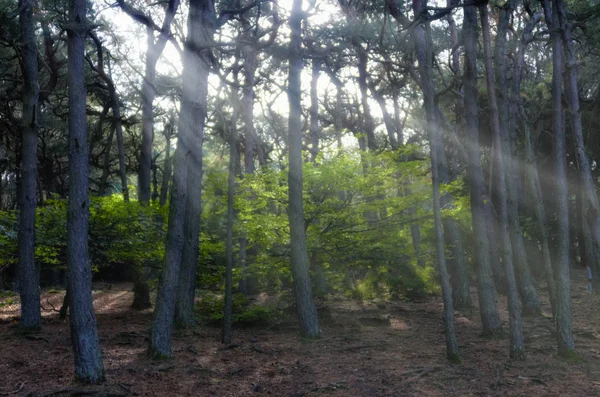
[423, 49]
[479, 201]
[307, 312]
[503, 158]
[28, 272]
[84, 335]
[564, 325]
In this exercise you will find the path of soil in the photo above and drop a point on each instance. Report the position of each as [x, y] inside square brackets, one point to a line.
[393, 349]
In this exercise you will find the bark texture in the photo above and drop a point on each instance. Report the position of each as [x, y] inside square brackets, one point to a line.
[28, 273]
[84, 335]
[490, 319]
[307, 312]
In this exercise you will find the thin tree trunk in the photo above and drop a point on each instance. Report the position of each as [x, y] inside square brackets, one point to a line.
[193, 110]
[153, 53]
[314, 112]
[84, 335]
[490, 319]
[106, 162]
[424, 54]
[564, 322]
[307, 312]
[503, 158]
[368, 124]
[233, 152]
[29, 277]
[166, 174]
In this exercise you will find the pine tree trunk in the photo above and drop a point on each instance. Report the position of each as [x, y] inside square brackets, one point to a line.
[307, 312]
[314, 111]
[490, 319]
[531, 303]
[233, 153]
[424, 55]
[191, 121]
[84, 335]
[503, 158]
[28, 273]
[153, 53]
[564, 322]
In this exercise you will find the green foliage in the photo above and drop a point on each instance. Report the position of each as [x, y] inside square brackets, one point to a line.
[124, 233]
[211, 307]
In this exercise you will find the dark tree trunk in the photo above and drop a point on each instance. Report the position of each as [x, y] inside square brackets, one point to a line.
[29, 277]
[503, 158]
[233, 153]
[191, 122]
[166, 174]
[490, 319]
[154, 51]
[368, 124]
[424, 55]
[106, 162]
[307, 312]
[84, 335]
[564, 324]
[531, 303]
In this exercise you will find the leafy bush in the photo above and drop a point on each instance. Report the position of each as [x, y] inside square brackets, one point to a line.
[211, 307]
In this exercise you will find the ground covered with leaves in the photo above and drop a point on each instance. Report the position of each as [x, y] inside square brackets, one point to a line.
[377, 349]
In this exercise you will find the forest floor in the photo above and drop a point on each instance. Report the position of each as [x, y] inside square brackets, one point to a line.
[388, 349]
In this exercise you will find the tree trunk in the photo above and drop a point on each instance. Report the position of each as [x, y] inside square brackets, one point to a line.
[490, 319]
[307, 312]
[503, 158]
[166, 174]
[424, 54]
[154, 51]
[314, 112]
[531, 303]
[564, 322]
[233, 152]
[84, 335]
[29, 277]
[191, 121]
[368, 125]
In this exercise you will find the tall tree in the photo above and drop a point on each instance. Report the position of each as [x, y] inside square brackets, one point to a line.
[490, 319]
[424, 53]
[503, 158]
[188, 157]
[307, 312]
[28, 272]
[84, 335]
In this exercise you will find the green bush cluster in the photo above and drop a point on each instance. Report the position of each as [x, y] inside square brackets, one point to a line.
[210, 310]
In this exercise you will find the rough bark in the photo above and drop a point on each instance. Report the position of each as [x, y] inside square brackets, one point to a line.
[84, 335]
[307, 312]
[564, 325]
[27, 271]
[193, 109]
[314, 111]
[503, 158]
[531, 303]
[424, 55]
[490, 319]
[166, 172]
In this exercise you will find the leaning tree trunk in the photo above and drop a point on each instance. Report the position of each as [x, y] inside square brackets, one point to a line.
[191, 120]
[307, 312]
[564, 322]
[490, 320]
[531, 303]
[29, 277]
[503, 158]
[84, 335]
[423, 49]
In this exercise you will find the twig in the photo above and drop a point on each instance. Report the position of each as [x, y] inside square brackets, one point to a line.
[17, 390]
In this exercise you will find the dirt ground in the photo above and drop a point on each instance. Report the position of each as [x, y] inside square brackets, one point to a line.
[391, 349]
